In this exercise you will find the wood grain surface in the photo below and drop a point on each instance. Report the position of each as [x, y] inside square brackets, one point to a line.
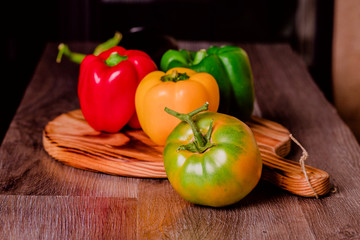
[44, 199]
[70, 139]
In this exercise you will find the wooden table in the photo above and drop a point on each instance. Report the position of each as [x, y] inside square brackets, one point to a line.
[42, 198]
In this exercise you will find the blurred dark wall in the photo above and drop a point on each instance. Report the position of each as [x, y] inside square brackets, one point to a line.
[254, 20]
[28, 25]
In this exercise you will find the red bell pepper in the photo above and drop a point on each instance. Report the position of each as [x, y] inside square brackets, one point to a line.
[107, 85]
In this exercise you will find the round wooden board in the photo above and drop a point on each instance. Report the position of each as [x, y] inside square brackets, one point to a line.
[69, 139]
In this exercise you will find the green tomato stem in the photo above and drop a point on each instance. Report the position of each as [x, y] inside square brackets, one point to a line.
[201, 142]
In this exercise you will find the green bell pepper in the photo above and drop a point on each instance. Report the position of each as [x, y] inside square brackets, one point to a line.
[231, 68]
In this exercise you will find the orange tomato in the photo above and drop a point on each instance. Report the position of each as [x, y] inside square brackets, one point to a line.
[180, 89]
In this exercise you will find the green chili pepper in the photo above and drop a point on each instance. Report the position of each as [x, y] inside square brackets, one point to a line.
[231, 68]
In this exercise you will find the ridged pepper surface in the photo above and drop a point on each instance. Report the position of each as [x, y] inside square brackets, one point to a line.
[107, 86]
[231, 68]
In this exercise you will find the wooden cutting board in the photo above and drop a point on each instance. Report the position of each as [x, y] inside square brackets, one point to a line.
[70, 140]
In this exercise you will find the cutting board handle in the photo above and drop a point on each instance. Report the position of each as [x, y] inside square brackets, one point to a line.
[274, 142]
[289, 176]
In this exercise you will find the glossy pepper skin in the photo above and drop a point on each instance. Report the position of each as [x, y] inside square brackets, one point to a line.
[107, 86]
[181, 89]
[221, 172]
[231, 68]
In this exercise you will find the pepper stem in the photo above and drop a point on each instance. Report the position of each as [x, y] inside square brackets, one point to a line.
[174, 76]
[114, 59]
[199, 56]
[112, 42]
[65, 50]
[78, 57]
[201, 142]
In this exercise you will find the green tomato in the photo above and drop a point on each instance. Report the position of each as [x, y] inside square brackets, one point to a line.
[221, 172]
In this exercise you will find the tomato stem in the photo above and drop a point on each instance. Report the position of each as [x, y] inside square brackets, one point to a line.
[201, 142]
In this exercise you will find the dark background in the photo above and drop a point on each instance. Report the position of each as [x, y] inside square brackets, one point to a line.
[28, 25]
